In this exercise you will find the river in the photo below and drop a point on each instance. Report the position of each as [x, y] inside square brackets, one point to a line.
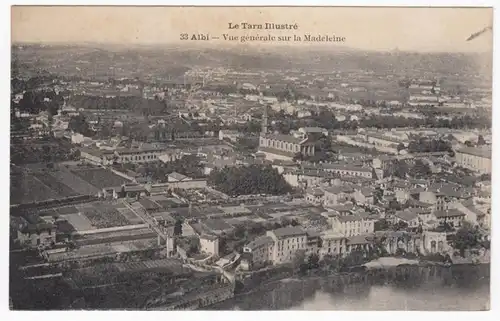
[451, 291]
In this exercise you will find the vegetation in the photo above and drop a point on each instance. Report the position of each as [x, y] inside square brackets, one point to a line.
[145, 106]
[425, 145]
[34, 102]
[178, 227]
[467, 237]
[188, 165]
[254, 179]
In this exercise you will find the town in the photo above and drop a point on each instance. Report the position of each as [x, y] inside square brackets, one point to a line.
[154, 186]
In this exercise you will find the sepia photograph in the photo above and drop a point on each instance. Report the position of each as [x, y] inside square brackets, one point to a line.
[250, 158]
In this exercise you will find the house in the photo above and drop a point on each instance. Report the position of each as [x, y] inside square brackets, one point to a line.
[383, 162]
[364, 195]
[407, 216]
[314, 242]
[315, 196]
[337, 195]
[232, 135]
[209, 244]
[351, 225]
[96, 156]
[176, 177]
[137, 155]
[259, 251]
[342, 210]
[287, 240]
[347, 170]
[33, 232]
[333, 244]
[453, 217]
[129, 191]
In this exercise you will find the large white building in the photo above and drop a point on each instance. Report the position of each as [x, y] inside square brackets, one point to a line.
[476, 159]
[287, 240]
[352, 225]
[284, 147]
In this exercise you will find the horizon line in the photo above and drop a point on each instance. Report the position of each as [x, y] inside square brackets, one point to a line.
[179, 44]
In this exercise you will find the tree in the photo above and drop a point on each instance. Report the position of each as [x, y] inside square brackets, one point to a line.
[401, 146]
[249, 180]
[79, 125]
[298, 258]
[382, 225]
[400, 226]
[178, 227]
[421, 169]
[467, 237]
[480, 140]
[313, 261]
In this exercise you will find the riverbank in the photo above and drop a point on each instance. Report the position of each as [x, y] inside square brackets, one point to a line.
[280, 293]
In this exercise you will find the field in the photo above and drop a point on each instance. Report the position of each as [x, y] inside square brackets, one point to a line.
[54, 184]
[26, 188]
[79, 221]
[129, 215]
[36, 182]
[102, 215]
[99, 177]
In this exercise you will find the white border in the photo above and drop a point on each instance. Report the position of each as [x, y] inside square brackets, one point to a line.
[295, 315]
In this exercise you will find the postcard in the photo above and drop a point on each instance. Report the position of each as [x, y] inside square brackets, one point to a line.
[250, 158]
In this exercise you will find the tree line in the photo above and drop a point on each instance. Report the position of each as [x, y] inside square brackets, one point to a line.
[248, 180]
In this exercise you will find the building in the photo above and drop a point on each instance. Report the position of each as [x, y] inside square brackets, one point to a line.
[287, 240]
[352, 225]
[384, 141]
[315, 196]
[176, 177]
[137, 155]
[284, 147]
[232, 135]
[259, 251]
[333, 244]
[476, 159]
[364, 195]
[209, 244]
[98, 157]
[337, 195]
[33, 233]
[313, 130]
[452, 217]
[347, 170]
[409, 217]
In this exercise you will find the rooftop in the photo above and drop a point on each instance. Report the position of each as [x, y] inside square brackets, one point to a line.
[284, 138]
[480, 152]
[406, 215]
[289, 232]
[260, 241]
[448, 213]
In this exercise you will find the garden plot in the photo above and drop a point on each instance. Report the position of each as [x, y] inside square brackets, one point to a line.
[79, 221]
[104, 216]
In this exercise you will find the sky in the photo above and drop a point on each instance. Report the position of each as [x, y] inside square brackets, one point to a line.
[409, 29]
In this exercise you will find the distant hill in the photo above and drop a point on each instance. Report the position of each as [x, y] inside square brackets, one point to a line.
[161, 59]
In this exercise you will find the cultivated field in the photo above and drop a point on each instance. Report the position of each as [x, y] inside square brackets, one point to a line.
[35, 183]
[99, 177]
[102, 215]
[79, 221]
[129, 215]
[26, 188]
